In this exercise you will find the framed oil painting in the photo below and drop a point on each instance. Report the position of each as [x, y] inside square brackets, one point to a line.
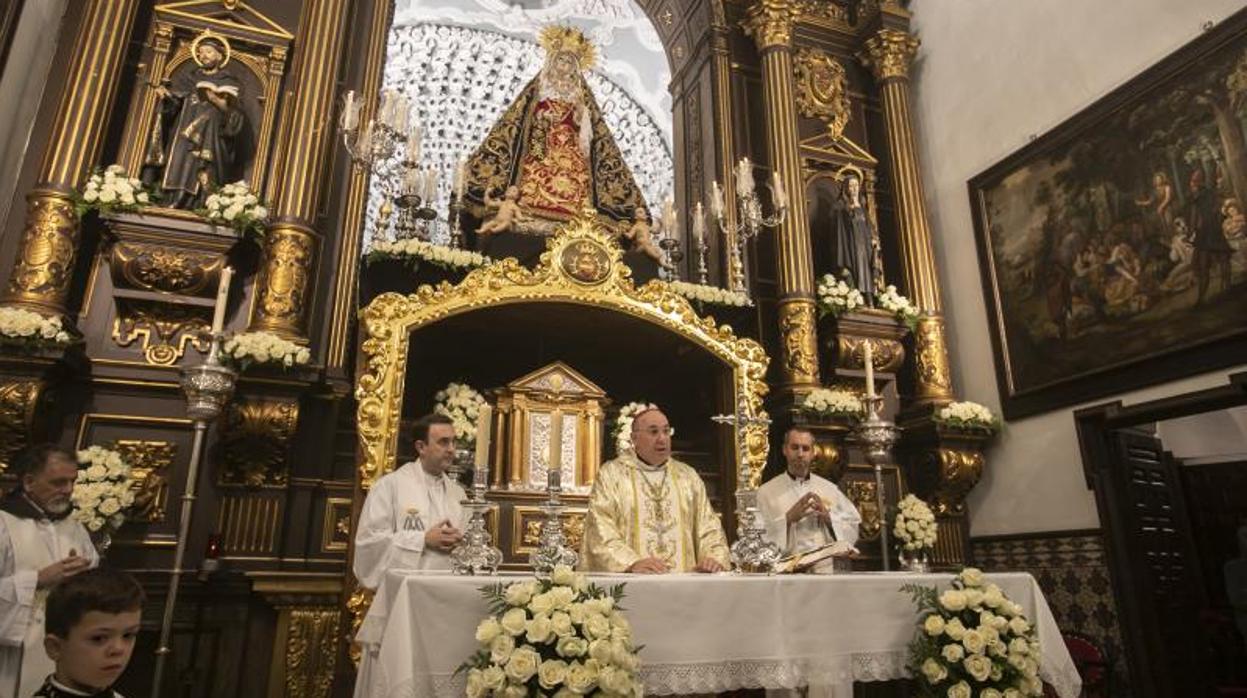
[1114, 248]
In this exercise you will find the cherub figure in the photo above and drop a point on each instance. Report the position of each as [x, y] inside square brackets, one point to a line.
[508, 215]
[640, 237]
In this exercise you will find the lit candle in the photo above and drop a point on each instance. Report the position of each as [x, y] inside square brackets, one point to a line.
[716, 201]
[222, 300]
[350, 112]
[430, 187]
[777, 189]
[744, 177]
[461, 177]
[699, 223]
[668, 218]
[554, 473]
[480, 475]
[868, 360]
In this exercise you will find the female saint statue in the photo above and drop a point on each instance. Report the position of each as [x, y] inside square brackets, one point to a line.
[201, 103]
[853, 250]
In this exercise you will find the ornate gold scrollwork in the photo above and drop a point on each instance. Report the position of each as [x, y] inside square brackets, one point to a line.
[796, 329]
[46, 254]
[889, 52]
[886, 354]
[150, 462]
[256, 440]
[931, 360]
[388, 321]
[828, 460]
[822, 89]
[152, 267]
[770, 23]
[311, 648]
[357, 606]
[959, 471]
[573, 530]
[165, 329]
[18, 400]
[289, 254]
[863, 494]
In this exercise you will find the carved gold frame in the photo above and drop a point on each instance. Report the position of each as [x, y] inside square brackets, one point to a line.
[581, 265]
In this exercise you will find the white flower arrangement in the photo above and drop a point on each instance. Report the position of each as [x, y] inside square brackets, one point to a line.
[973, 641]
[556, 636]
[967, 415]
[103, 490]
[247, 348]
[832, 402]
[419, 250]
[30, 330]
[238, 207]
[110, 191]
[710, 294]
[900, 306]
[915, 525]
[462, 403]
[837, 297]
[622, 432]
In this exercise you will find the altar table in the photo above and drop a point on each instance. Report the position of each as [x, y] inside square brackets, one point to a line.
[701, 633]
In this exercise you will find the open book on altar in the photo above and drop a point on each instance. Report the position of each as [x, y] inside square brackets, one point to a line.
[837, 553]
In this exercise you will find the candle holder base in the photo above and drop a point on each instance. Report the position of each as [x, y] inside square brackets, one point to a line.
[476, 554]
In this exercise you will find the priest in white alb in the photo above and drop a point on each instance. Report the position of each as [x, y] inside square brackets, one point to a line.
[40, 545]
[649, 513]
[801, 510]
[412, 517]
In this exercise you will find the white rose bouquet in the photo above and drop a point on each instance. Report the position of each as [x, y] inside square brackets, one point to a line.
[622, 431]
[462, 403]
[837, 297]
[110, 191]
[972, 641]
[900, 306]
[559, 636]
[967, 415]
[247, 348]
[915, 525]
[30, 330]
[103, 491]
[238, 207]
[416, 251]
[831, 402]
[710, 294]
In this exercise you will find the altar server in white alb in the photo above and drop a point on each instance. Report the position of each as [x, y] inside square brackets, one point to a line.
[412, 518]
[803, 511]
[40, 545]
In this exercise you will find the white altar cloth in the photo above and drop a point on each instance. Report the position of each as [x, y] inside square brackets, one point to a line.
[701, 633]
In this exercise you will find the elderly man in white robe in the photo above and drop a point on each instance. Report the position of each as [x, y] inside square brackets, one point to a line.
[412, 517]
[40, 545]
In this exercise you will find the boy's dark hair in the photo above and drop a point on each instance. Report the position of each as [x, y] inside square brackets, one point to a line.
[420, 430]
[101, 589]
[33, 458]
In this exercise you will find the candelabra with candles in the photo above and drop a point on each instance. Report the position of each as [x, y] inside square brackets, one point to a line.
[750, 219]
[876, 436]
[458, 187]
[751, 552]
[373, 146]
[699, 244]
[208, 386]
[476, 553]
[552, 548]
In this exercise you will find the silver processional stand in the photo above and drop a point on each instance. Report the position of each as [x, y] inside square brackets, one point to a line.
[876, 436]
[208, 387]
[751, 552]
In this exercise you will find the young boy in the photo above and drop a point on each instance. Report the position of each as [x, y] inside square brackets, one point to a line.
[92, 622]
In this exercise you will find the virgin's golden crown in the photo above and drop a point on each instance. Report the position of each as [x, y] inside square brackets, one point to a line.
[562, 39]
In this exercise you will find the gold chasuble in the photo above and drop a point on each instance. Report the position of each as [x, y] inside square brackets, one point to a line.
[554, 146]
[638, 511]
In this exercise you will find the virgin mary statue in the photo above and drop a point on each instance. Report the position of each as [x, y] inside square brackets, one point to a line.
[554, 147]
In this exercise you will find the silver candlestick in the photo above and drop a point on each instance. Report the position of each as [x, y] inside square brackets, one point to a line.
[456, 232]
[876, 436]
[751, 552]
[208, 387]
[553, 550]
[476, 553]
[703, 253]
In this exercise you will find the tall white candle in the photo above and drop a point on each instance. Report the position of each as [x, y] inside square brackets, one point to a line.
[350, 114]
[699, 223]
[554, 473]
[868, 360]
[461, 178]
[430, 186]
[480, 474]
[222, 300]
[716, 201]
[777, 189]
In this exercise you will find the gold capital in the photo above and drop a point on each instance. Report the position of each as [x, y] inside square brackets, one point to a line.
[285, 282]
[889, 52]
[770, 23]
[45, 258]
[934, 385]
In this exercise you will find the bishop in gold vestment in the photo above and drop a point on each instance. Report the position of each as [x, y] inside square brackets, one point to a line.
[649, 512]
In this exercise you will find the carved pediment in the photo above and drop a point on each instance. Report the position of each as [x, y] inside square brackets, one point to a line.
[234, 18]
[557, 382]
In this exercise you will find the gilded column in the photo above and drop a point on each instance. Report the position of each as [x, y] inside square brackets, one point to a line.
[770, 24]
[291, 245]
[888, 54]
[45, 257]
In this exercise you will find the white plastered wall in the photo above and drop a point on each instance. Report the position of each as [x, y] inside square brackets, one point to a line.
[990, 74]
